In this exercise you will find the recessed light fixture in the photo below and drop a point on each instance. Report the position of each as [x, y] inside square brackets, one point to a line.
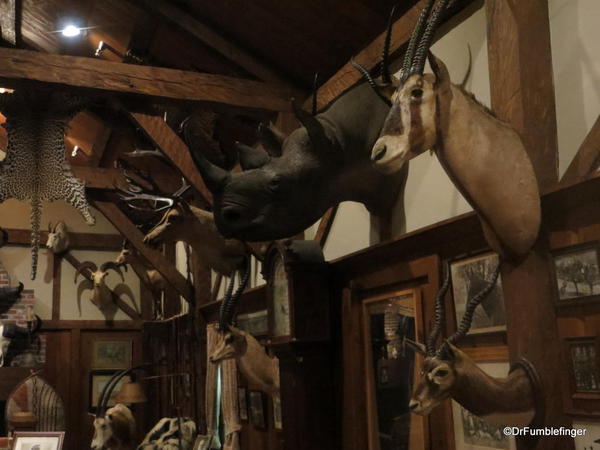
[71, 31]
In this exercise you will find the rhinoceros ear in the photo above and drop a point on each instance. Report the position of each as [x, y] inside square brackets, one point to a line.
[272, 139]
[251, 157]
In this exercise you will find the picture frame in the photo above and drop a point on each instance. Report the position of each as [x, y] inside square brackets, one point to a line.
[112, 354]
[474, 433]
[469, 277]
[590, 439]
[277, 420]
[583, 354]
[257, 409]
[243, 404]
[98, 379]
[255, 323]
[38, 440]
[577, 271]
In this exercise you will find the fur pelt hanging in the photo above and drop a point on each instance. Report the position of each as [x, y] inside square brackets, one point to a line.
[35, 168]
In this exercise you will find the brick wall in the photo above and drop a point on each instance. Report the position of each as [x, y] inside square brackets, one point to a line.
[22, 354]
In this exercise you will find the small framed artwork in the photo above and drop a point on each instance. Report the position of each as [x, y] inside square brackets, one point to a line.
[256, 323]
[114, 354]
[257, 409]
[243, 404]
[277, 422]
[39, 440]
[469, 277]
[99, 379]
[474, 433]
[590, 440]
[585, 365]
[577, 274]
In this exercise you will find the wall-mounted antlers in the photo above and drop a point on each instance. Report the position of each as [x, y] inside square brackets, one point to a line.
[102, 296]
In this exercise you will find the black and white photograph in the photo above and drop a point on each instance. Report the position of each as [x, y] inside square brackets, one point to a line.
[469, 277]
[38, 440]
[112, 354]
[474, 433]
[585, 366]
[577, 275]
[591, 439]
[257, 409]
[256, 323]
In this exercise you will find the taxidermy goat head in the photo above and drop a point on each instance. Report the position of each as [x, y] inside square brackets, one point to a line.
[251, 357]
[483, 156]
[288, 182]
[58, 238]
[447, 372]
[102, 296]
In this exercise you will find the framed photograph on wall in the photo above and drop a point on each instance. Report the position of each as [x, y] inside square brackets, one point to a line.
[243, 404]
[583, 355]
[39, 440]
[577, 274]
[99, 379]
[113, 354]
[256, 323]
[472, 432]
[257, 409]
[469, 277]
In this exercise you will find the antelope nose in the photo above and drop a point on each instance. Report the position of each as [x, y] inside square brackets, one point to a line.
[413, 405]
[379, 153]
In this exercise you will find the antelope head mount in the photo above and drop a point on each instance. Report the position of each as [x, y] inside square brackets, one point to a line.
[58, 238]
[483, 156]
[251, 357]
[447, 372]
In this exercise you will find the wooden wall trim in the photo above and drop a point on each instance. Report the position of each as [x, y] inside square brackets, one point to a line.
[78, 241]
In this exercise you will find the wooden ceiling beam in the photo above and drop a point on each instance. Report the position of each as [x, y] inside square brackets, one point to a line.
[213, 39]
[370, 56]
[155, 82]
[10, 21]
[587, 158]
[128, 229]
[174, 148]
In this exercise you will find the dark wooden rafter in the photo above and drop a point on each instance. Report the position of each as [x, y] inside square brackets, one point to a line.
[175, 149]
[10, 21]
[118, 301]
[153, 82]
[370, 56]
[325, 226]
[213, 39]
[122, 223]
[587, 158]
[83, 241]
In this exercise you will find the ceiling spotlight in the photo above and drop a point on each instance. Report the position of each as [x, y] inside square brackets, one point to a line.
[71, 31]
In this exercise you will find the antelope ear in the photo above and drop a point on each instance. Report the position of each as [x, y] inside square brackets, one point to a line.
[272, 139]
[442, 76]
[415, 346]
[251, 157]
[449, 352]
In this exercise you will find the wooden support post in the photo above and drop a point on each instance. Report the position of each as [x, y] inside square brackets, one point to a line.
[325, 225]
[523, 95]
[155, 82]
[122, 223]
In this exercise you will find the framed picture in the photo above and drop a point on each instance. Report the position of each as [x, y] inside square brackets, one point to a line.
[577, 275]
[256, 323]
[99, 379]
[472, 432]
[257, 409]
[469, 277]
[585, 366]
[243, 404]
[277, 422]
[39, 440]
[112, 354]
[591, 439]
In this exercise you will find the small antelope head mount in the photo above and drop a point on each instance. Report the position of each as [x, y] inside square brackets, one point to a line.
[478, 151]
[58, 238]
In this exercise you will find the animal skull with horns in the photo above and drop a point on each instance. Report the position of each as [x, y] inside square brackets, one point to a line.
[101, 296]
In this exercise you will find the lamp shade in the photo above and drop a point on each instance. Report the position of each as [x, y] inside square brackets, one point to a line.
[131, 393]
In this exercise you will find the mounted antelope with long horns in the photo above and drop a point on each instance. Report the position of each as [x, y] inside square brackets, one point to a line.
[251, 358]
[483, 156]
[447, 372]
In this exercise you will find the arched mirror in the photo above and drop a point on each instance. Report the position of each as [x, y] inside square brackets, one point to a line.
[35, 405]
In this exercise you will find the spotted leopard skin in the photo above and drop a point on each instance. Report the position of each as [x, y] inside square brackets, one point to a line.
[35, 168]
